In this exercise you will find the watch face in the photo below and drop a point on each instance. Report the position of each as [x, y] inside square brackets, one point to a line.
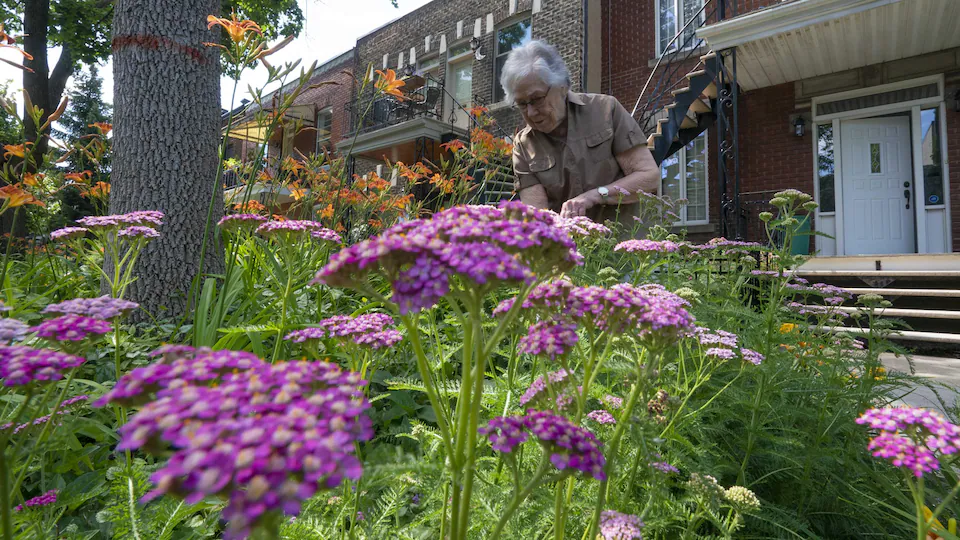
[603, 191]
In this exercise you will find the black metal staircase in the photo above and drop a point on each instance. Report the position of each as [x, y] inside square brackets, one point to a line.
[675, 108]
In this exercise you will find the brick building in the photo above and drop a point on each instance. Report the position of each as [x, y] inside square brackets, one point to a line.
[854, 101]
[449, 53]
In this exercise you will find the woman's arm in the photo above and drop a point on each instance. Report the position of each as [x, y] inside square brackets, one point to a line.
[641, 174]
[535, 196]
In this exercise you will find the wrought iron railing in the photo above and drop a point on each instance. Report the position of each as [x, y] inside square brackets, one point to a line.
[370, 113]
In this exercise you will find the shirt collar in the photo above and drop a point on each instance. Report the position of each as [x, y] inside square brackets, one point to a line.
[574, 98]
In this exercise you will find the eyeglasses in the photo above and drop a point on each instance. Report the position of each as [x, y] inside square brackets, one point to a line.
[535, 102]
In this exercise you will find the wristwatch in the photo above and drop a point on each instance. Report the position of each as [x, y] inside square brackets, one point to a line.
[604, 192]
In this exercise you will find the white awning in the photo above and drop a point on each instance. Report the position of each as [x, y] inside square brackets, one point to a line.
[802, 39]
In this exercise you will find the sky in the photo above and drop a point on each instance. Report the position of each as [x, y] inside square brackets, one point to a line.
[330, 28]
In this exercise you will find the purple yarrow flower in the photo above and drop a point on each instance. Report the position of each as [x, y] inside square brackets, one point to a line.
[664, 467]
[71, 327]
[581, 227]
[613, 401]
[46, 499]
[539, 386]
[369, 329]
[69, 233]
[289, 226]
[138, 231]
[911, 437]
[617, 526]
[482, 245]
[723, 354]
[266, 438]
[21, 365]
[647, 246]
[43, 419]
[12, 330]
[237, 222]
[102, 307]
[601, 416]
[327, 235]
[570, 447]
[752, 356]
[146, 218]
[551, 338]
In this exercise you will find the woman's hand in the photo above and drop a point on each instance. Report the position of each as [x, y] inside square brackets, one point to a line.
[579, 205]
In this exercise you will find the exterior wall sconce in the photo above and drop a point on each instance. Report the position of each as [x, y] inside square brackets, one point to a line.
[408, 70]
[474, 44]
[799, 126]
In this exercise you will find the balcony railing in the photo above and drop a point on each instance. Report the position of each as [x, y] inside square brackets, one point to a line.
[372, 113]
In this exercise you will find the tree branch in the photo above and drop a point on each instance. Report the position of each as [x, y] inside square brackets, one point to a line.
[60, 74]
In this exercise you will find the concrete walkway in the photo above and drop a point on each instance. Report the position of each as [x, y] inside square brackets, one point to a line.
[945, 371]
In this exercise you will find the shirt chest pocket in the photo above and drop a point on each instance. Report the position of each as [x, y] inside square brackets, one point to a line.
[549, 173]
[600, 145]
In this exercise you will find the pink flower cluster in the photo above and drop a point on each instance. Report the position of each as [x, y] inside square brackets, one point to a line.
[721, 344]
[43, 419]
[617, 526]
[369, 329]
[911, 437]
[550, 338]
[71, 327]
[295, 227]
[20, 365]
[263, 436]
[12, 330]
[601, 416]
[647, 246]
[652, 313]
[236, 222]
[538, 388]
[69, 233]
[144, 218]
[138, 231]
[570, 447]
[581, 226]
[481, 245]
[103, 307]
[46, 499]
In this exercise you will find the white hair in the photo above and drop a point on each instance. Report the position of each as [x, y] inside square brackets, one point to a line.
[539, 58]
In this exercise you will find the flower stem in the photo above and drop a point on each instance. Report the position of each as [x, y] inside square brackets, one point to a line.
[519, 497]
[5, 507]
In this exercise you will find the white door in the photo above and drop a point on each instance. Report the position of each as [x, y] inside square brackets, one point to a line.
[460, 83]
[878, 205]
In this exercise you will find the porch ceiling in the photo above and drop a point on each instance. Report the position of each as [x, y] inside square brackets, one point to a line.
[808, 38]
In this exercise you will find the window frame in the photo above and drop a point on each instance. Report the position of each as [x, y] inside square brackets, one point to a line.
[328, 111]
[678, 6]
[524, 17]
[682, 161]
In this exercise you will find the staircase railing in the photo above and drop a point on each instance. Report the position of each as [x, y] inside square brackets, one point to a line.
[673, 61]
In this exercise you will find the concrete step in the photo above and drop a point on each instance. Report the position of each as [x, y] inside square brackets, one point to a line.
[900, 312]
[905, 335]
[939, 293]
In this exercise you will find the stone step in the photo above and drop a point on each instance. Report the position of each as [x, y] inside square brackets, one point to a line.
[902, 312]
[939, 293]
[905, 335]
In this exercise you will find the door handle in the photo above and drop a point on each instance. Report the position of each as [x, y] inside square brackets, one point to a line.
[906, 195]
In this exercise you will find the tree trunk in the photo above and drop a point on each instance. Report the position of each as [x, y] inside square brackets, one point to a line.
[36, 17]
[165, 139]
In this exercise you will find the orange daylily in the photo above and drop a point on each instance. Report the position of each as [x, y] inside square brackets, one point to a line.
[389, 84]
[298, 193]
[99, 190]
[327, 212]
[477, 111]
[445, 184]
[79, 177]
[32, 179]
[7, 41]
[252, 207]
[103, 127]
[454, 145]
[278, 217]
[15, 197]
[236, 29]
[16, 150]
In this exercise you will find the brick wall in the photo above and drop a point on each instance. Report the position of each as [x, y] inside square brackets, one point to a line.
[953, 163]
[336, 96]
[560, 22]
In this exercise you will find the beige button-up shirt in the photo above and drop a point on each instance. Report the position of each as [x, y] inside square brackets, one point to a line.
[598, 129]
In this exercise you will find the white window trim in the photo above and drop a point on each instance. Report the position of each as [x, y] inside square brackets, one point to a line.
[326, 110]
[527, 16]
[678, 5]
[682, 160]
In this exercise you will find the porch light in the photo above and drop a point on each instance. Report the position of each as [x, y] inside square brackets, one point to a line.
[799, 126]
[474, 44]
[408, 70]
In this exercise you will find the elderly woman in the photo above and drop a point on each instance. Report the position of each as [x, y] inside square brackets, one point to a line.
[580, 154]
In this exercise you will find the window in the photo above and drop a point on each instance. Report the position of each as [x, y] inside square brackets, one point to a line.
[828, 201]
[932, 161]
[324, 124]
[674, 14]
[684, 176]
[430, 70]
[508, 38]
[875, 159]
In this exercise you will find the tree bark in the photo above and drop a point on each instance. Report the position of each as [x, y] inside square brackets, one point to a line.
[36, 17]
[165, 139]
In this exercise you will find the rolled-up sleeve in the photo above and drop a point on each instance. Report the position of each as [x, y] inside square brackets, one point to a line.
[521, 168]
[626, 132]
